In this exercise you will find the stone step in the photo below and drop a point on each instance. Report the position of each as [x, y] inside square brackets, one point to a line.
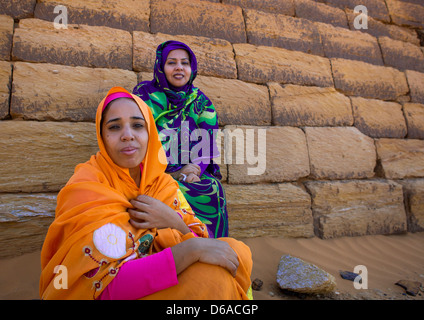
[300, 106]
[379, 119]
[41, 156]
[123, 14]
[414, 116]
[5, 86]
[340, 153]
[262, 64]
[357, 78]
[79, 45]
[198, 18]
[269, 210]
[400, 158]
[63, 93]
[24, 221]
[356, 208]
[6, 36]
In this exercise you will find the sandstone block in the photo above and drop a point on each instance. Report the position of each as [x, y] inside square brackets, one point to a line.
[347, 44]
[6, 36]
[43, 91]
[300, 276]
[399, 158]
[405, 13]
[358, 78]
[124, 14]
[379, 119]
[80, 45]
[316, 11]
[414, 115]
[17, 9]
[401, 55]
[274, 6]
[265, 154]
[298, 106]
[263, 64]
[282, 210]
[5, 84]
[380, 29]
[41, 156]
[416, 85]
[198, 18]
[357, 208]
[24, 221]
[237, 102]
[215, 57]
[278, 30]
[340, 153]
[376, 8]
[414, 202]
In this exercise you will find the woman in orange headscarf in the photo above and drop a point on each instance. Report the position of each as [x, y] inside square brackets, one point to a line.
[123, 229]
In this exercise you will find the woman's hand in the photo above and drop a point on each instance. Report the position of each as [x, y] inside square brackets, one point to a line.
[151, 213]
[189, 173]
[206, 250]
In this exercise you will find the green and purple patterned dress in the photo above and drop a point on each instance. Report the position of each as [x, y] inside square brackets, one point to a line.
[187, 124]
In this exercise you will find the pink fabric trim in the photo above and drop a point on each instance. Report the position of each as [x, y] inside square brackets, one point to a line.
[141, 277]
[114, 96]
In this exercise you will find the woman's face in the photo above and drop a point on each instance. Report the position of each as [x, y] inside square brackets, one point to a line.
[124, 133]
[177, 68]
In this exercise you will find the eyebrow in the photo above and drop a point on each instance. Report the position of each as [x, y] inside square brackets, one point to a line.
[176, 59]
[133, 118]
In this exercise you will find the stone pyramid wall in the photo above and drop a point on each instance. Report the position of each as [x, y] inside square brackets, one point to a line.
[342, 109]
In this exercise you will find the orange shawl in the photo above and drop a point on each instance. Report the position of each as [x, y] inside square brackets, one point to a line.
[91, 236]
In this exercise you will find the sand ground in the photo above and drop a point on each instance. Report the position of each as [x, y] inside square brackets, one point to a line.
[388, 259]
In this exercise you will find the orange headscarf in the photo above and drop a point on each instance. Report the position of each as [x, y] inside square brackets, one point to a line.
[91, 236]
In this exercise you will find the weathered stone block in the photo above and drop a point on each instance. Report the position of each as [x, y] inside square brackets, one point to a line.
[379, 119]
[316, 11]
[340, 153]
[399, 158]
[358, 78]
[198, 18]
[43, 91]
[282, 210]
[376, 8]
[416, 85]
[6, 36]
[357, 208]
[215, 57]
[263, 64]
[380, 29]
[278, 30]
[405, 13]
[347, 44]
[274, 6]
[79, 45]
[5, 85]
[265, 154]
[237, 102]
[414, 115]
[41, 156]
[299, 106]
[24, 221]
[413, 190]
[17, 9]
[124, 14]
[401, 55]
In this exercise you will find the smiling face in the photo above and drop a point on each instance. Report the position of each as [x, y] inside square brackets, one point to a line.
[177, 68]
[125, 134]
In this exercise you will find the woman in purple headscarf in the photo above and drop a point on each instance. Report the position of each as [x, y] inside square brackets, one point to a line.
[187, 123]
